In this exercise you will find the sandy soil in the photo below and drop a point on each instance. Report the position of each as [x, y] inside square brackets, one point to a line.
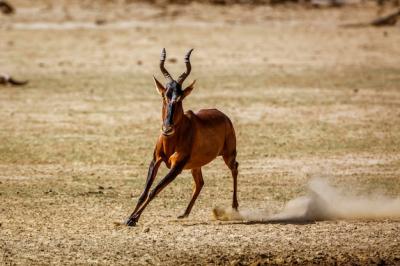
[307, 98]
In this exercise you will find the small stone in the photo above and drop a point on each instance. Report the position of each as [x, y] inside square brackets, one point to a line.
[100, 21]
[146, 230]
[234, 263]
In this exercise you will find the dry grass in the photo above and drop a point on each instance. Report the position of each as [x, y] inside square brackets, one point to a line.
[306, 99]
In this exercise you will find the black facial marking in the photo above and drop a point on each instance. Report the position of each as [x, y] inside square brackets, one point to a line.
[173, 93]
[170, 114]
[174, 90]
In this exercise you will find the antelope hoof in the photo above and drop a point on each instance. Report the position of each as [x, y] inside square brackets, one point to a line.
[183, 216]
[235, 206]
[131, 222]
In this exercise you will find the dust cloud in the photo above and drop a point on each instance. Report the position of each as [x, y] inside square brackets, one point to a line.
[322, 202]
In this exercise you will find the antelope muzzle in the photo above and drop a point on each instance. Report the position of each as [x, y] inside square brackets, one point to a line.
[168, 125]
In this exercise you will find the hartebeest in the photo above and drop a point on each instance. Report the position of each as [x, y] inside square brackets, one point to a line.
[188, 140]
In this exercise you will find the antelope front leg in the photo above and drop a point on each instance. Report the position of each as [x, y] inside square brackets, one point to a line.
[172, 174]
[153, 168]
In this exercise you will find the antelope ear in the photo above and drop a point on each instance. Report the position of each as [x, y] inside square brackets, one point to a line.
[188, 89]
[160, 88]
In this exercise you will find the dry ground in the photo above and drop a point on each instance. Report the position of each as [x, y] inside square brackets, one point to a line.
[307, 98]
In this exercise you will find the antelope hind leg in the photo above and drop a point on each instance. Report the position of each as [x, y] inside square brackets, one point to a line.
[198, 185]
[230, 161]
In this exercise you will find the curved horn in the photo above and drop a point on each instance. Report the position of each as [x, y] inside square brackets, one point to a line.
[184, 75]
[163, 70]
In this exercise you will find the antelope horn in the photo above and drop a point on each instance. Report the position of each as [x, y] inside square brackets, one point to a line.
[184, 75]
[163, 70]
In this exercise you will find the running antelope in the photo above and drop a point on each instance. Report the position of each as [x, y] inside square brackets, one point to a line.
[188, 140]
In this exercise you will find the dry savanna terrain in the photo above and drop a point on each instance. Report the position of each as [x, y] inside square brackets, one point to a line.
[308, 98]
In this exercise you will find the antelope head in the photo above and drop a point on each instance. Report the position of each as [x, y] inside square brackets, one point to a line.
[173, 95]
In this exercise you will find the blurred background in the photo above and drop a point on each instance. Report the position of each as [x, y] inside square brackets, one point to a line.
[312, 88]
